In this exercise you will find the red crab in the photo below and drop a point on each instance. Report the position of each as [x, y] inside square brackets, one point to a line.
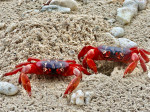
[109, 53]
[49, 67]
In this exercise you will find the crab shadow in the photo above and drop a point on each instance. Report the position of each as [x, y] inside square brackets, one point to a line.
[107, 67]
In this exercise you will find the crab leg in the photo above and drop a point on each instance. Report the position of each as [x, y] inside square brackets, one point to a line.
[144, 56]
[13, 72]
[22, 64]
[142, 64]
[146, 51]
[23, 78]
[26, 63]
[70, 61]
[132, 66]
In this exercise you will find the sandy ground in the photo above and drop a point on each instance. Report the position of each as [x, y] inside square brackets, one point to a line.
[62, 36]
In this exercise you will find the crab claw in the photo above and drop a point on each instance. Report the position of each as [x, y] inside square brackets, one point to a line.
[26, 83]
[74, 83]
[76, 70]
[84, 50]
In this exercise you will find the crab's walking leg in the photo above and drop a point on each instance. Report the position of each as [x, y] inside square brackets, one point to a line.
[71, 61]
[23, 78]
[28, 62]
[22, 64]
[133, 64]
[144, 56]
[13, 72]
[143, 64]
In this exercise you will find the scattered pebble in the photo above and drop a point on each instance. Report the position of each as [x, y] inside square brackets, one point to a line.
[72, 4]
[130, 3]
[126, 43]
[8, 88]
[55, 8]
[79, 98]
[124, 15]
[117, 31]
[141, 4]
[88, 97]
[129, 10]
[73, 98]
[11, 27]
[2, 25]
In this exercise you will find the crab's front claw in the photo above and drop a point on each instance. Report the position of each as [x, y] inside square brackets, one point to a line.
[26, 83]
[74, 83]
[84, 50]
[92, 65]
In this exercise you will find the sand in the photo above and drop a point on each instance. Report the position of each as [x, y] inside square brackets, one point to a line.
[61, 36]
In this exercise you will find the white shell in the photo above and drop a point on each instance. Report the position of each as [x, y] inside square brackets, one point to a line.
[73, 98]
[117, 31]
[72, 4]
[8, 88]
[79, 97]
[88, 97]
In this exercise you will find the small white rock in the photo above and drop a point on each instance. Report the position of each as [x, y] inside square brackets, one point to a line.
[73, 98]
[11, 27]
[72, 4]
[117, 31]
[124, 15]
[141, 4]
[79, 97]
[130, 3]
[126, 43]
[2, 25]
[8, 88]
[88, 97]
[55, 8]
